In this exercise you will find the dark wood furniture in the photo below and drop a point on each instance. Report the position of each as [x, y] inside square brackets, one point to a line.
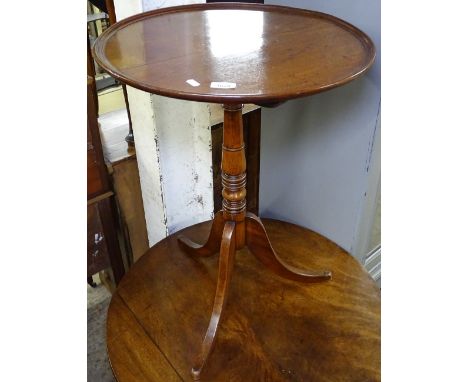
[123, 170]
[103, 245]
[274, 329]
[290, 53]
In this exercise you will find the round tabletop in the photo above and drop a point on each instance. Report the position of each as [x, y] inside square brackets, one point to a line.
[273, 329]
[234, 53]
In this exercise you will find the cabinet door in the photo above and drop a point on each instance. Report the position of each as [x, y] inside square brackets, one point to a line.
[103, 243]
[98, 254]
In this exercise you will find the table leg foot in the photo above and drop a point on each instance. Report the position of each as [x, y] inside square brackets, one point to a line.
[258, 243]
[212, 244]
[226, 263]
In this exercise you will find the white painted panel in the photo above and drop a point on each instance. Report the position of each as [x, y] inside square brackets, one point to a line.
[183, 131]
[147, 150]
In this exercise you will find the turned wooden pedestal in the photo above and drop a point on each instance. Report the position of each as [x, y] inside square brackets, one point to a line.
[233, 228]
[194, 53]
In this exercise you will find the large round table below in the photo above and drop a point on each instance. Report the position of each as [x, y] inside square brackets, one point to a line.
[273, 330]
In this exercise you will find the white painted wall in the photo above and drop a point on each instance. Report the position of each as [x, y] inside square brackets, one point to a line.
[318, 154]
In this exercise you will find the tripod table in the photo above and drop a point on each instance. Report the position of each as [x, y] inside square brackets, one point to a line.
[235, 54]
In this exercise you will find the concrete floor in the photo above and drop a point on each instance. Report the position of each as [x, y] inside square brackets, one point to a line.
[99, 369]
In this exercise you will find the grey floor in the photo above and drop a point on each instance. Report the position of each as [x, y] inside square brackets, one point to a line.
[98, 364]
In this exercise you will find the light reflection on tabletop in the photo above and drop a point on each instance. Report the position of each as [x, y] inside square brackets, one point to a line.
[228, 38]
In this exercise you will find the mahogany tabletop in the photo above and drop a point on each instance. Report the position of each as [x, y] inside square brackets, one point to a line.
[271, 53]
[274, 329]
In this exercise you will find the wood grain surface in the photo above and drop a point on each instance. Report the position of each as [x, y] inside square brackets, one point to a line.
[123, 168]
[273, 329]
[272, 53]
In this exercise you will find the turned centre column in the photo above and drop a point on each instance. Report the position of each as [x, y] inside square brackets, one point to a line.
[233, 173]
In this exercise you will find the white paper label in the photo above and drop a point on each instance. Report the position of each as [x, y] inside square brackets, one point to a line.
[192, 82]
[223, 85]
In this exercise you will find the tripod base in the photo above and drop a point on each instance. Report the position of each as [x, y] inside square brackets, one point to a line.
[222, 239]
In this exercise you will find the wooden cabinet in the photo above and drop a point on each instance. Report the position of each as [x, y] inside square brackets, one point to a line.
[123, 169]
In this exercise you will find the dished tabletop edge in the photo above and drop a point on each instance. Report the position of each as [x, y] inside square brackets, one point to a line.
[216, 95]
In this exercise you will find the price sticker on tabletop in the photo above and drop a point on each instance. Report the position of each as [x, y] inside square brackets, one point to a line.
[223, 85]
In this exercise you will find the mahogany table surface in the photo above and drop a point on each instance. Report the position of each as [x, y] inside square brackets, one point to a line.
[272, 53]
[274, 329]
